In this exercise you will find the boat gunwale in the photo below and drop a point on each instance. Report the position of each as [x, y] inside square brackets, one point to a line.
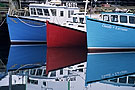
[25, 18]
[73, 29]
[107, 22]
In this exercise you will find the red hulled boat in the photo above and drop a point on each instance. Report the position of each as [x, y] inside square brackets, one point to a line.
[63, 36]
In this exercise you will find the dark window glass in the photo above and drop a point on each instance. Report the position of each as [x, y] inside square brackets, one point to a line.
[131, 80]
[131, 19]
[61, 13]
[44, 83]
[33, 11]
[32, 72]
[75, 19]
[53, 74]
[33, 81]
[80, 70]
[39, 11]
[39, 72]
[106, 17]
[53, 11]
[81, 66]
[72, 12]
[69, 15]
[123, 19]
[81, 20]
[44, 73]
[123, 80]
[113, 80]
[46, 12]
[61, 71]
[114, 18]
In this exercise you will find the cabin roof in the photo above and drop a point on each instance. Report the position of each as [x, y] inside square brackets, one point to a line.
[51, 6]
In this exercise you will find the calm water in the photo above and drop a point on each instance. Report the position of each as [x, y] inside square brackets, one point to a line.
[32, 67]
[36, 67]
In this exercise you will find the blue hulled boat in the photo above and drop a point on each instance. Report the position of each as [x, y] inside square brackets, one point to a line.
[25, 30]
[28, 25]
[112, 31]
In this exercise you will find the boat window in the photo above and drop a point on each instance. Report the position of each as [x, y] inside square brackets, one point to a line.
[123, 19]
[114, 18]
[131, 80]
[75, 20]
[33, 11]
[39, 11]
[73, 79]
[81, 26]
[80, 70]
[81, 66]
[46, 12]
[81, 20]
[44, 83]
[32, 72]
[69, 72]
[39, 72]
[53, 11]
[61, 13]
[122, 80]
[61, 71]
[131, 19]
[113, 80]
[106, 17]
[72, 12]
[44, 73]
[69, 16]
[34, 81]
[53, 74]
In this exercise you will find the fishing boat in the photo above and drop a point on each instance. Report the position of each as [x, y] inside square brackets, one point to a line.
[73, 34]
[29, 25]
[111, 31]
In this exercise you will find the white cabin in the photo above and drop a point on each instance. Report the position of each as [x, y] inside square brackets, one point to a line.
[127, 19]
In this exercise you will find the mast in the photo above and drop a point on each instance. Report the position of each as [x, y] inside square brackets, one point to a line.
[86, 4]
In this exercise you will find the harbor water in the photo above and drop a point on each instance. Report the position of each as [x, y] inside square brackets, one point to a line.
[32, 67]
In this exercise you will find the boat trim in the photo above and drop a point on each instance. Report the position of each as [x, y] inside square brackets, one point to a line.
[26, 18]
[65, 27]
[110, 49]
[18, 42]
[109, 23]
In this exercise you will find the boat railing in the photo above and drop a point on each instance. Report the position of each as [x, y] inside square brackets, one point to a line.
[20, 12]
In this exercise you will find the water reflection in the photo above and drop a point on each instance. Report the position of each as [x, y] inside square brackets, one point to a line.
[26, 56]
[61, 57]
[104, 66]
[32, 67]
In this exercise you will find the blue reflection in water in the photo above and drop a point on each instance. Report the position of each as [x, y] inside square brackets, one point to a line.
[21, 57]
[109, 65]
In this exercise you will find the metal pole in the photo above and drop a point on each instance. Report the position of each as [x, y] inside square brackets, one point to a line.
[10, 80]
